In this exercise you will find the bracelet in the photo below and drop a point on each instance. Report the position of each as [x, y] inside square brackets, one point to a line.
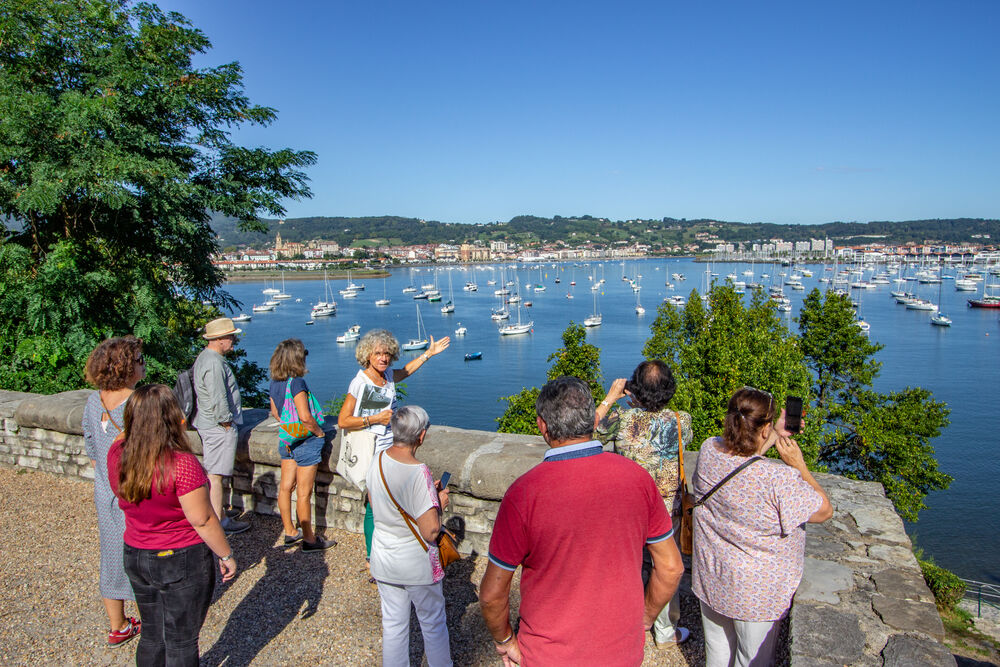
[364, 420]
[226, 559]
[509, 637]
[605, 403]
[424, 356]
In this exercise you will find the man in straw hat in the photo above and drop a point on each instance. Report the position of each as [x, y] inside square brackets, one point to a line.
[219, 412]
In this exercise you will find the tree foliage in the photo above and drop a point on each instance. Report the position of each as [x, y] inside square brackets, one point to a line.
[868, 435]
[114, 150]
[576, 358]
[850, 429]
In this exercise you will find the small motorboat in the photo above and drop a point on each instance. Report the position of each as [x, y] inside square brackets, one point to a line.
[242, 317]
[460, 331]
[473, 356]
[308, 322]
[527, 304]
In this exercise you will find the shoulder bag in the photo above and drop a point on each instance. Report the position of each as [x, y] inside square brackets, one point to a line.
[446, 542]
[687, 498]
[293, 430]
[688, 503]
[357, 449]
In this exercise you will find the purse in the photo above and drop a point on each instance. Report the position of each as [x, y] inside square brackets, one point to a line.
[687, 498]
[357, 449]
[446, 542]
[292, 429]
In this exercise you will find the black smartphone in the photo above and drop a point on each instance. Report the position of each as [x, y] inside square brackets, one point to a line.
[793, 414]
[445, 478]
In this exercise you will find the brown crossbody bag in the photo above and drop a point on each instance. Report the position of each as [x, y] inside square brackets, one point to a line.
[446, 541]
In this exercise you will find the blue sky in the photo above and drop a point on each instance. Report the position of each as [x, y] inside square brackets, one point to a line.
[795, 112]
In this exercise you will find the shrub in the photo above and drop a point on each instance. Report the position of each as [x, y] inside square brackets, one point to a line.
[947, 588]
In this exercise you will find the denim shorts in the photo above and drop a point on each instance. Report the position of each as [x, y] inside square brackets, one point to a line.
[309, 452]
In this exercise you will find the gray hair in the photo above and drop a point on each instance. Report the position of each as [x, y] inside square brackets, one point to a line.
[567, 408]
[373, 340]
[407, 423]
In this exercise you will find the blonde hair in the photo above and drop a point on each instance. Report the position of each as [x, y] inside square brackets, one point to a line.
[288, 360]
[373, 340]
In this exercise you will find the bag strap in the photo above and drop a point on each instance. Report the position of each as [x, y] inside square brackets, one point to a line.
[680, 452]
[108, 413]
[406, 517]
[725, 479]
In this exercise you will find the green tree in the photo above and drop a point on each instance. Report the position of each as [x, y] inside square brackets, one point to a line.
[114, 151]
[868, 435]
[576, 358]
[717, 348]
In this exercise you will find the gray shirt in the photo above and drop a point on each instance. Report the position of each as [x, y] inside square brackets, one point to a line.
[216, 390]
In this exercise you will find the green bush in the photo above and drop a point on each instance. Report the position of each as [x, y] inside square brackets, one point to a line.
[947, 588]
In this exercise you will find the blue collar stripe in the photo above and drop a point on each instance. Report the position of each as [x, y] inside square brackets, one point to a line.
[577, 451]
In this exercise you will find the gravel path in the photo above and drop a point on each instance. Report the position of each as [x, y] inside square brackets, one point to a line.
[284, 608]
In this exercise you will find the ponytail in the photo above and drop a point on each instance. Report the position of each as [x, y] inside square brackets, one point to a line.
[749, 410]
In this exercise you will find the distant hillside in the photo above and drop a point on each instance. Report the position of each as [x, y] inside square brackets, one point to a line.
[528, 229]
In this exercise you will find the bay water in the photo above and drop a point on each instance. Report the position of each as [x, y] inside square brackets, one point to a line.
[959, 364]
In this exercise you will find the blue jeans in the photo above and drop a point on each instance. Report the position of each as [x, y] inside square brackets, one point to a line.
[173, 589]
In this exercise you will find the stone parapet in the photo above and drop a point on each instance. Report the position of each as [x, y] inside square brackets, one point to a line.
[862, 600]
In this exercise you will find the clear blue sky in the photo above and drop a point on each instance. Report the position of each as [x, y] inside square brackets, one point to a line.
[478, 111]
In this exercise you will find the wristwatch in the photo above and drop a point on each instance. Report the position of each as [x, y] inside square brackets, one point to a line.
[225, 559]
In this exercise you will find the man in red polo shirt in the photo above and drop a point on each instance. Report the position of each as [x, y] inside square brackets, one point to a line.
[576, 524]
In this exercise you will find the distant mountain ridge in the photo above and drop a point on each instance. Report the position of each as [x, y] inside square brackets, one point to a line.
[528, 229]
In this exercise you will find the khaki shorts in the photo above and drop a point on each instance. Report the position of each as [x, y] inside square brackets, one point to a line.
[218, 446]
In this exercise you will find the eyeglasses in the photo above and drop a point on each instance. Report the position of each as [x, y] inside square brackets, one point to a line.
[770, 398]
[307, 353]
[140, 360]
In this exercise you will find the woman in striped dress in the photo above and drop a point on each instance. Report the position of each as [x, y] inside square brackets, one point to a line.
[115, 367]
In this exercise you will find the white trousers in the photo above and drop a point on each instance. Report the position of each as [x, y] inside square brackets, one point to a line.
[429, 603]
[733, 643]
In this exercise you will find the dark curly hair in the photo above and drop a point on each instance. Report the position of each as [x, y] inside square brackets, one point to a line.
[112, 363]
[652, 385]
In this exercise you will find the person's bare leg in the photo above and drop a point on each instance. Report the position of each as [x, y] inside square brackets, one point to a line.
[116, 613]
[215, 494]
[289, 472]
[305, 478]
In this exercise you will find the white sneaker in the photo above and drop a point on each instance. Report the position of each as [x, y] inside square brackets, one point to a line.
[680, 636]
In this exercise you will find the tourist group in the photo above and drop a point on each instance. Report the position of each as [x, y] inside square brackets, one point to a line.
[594, 526]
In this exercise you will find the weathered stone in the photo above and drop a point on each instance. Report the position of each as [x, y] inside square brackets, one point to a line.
[907, 651]
[880, 521]
[909, 615]
[825, 633]
[824, 549]
[902, 585]
[897, 555]
[822, 580]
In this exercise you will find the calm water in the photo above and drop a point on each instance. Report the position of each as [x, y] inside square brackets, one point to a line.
[959, 364]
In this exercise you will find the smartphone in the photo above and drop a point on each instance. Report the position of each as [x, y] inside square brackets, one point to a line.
[793, 414]
[445, 478]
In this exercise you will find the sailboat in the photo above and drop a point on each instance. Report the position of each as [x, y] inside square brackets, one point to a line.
[449, 307]
[639, 310]
[328, 306]
[539, 287]
[384, 301]
[596, 318]
[519, 328]
[282, 295]
[420, 342]
[270, 290]
[939, 318]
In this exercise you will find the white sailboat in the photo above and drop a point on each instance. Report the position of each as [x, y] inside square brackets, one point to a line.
[420, 342]
[596, 318]
[327, 307]
[449, 307]
[539, 287]
[518, 328]
[282, 295]
[384, 301]
[939, 319]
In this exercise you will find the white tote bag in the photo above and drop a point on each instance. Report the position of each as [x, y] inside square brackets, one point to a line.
[357, 449]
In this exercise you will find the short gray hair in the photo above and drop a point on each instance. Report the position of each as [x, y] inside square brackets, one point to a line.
[407, 423]
[373, 340]
[567, 408]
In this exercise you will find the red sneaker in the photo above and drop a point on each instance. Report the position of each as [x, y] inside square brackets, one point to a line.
[119, 637]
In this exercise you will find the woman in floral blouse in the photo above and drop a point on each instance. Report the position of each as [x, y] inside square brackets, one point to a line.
[648, 433]
[749, 537]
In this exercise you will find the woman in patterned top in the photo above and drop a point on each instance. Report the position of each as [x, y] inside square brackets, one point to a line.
[648, 433]
[749, 538]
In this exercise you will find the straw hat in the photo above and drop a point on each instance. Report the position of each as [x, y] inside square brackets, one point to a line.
[220, 328]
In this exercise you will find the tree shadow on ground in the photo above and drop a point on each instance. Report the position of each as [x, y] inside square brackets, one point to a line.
[290, 588]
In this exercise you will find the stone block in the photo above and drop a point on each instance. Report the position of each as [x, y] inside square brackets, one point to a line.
[907, 651]
[902, 585]
[62, 413]
[823, 633]
[893, 555]
[822, 581]
[351, 492]
[909, 615]
[824, 549]
[881, 521]
[27, 461]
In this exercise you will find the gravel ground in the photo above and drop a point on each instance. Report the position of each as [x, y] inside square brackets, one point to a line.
[284, 607]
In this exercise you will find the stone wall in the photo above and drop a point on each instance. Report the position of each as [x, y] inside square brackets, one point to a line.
[862, 600]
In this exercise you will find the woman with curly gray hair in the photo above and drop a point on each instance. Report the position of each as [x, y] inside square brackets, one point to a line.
[371, 396]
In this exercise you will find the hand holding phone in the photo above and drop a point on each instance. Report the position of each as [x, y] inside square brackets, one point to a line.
[793, 414]
[445, 478]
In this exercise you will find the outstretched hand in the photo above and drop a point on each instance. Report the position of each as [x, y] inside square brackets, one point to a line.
[438, 346]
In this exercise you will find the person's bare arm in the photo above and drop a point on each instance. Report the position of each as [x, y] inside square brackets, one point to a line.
[790, 453]
[436, 347]
[494, 601]
[199, 513]
[274, 410]
[664, 579]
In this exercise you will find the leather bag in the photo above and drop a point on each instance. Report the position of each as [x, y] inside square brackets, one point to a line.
[687, 498]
